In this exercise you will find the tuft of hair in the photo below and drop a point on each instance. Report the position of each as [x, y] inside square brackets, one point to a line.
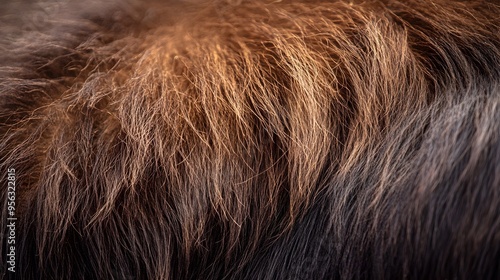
[251, 139]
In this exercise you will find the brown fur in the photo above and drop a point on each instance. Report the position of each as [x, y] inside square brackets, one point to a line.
[253, 140]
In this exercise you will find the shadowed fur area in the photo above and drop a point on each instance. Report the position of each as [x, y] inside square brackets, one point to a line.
[251, 139]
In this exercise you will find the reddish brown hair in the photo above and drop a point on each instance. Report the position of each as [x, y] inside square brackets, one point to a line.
[252, 140]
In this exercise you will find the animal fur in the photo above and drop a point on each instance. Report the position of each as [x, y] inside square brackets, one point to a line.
[252, 139]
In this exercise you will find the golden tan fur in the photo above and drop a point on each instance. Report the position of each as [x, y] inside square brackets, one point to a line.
[254, 140]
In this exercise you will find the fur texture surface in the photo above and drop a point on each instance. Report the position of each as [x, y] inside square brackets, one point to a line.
[251, 139]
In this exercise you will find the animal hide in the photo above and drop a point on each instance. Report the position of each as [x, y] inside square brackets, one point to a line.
[250, 139]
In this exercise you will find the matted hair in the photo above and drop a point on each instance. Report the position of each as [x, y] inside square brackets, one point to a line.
[251, 139]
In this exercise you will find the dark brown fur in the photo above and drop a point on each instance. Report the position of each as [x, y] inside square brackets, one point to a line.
[252, 140]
